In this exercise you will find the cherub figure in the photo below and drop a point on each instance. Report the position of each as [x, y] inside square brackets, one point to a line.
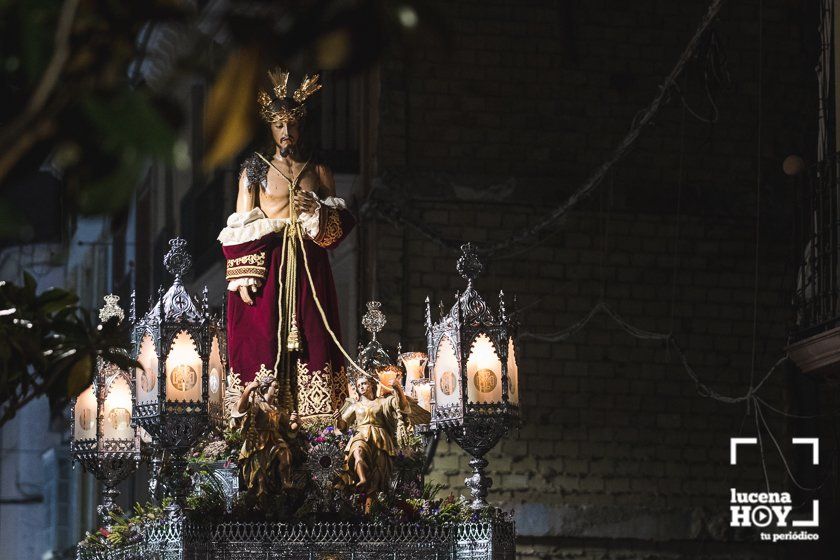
[369, 454]
[265, 461]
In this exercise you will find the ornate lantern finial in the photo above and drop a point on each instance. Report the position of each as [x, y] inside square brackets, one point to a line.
[111, 309]
[177, 261]
[469, 266]
[373, 356]
[374, 320]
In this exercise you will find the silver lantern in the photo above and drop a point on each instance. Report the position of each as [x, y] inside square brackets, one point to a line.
[104, 441]
[179, 348]
[474, 374]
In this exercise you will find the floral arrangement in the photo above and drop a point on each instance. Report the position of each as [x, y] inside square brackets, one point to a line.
[427, 509]
[327, 434]
[217, 447]
[125, 529]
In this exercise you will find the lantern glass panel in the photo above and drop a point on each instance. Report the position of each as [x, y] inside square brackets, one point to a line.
[446, 374]
[147, 376]
[513, 373]
[183, 370]
[484, 372]
[215, 380]
[85, 415]
[116, 418]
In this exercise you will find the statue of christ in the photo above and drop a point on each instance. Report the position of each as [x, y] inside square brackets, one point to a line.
[282, 312]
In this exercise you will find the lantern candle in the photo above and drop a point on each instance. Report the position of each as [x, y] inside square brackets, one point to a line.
[484, 372]
[183, 370]
[118, 411]
[415, 368]
[85, 415]
[423, 392]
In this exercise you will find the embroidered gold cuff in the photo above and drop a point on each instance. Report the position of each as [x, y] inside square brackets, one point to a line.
[247, 266]
[330, 230]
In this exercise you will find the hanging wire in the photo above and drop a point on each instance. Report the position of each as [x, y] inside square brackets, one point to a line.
[715, 73]
[392, 213]
[768, 406]
[760, 415]
[629, 140]
[703, 389]
[784, 462]
[685, 105]
[761, 449]
[375, 205]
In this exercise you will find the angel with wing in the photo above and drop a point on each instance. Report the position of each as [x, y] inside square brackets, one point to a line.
[376, 422]
[265, 460]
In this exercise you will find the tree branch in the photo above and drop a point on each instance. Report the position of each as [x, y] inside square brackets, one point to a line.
[19, 136]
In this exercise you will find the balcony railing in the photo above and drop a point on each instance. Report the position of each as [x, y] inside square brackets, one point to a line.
[817, 291]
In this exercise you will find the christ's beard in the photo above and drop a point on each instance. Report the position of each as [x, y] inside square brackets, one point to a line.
[286, 146]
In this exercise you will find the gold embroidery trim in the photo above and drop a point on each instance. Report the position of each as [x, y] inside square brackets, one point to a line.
[331, 230]
[247, 266]
[257, 259]
[321, 391]
[245, 272]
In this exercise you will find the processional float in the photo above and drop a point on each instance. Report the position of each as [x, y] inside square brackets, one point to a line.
[466, 386]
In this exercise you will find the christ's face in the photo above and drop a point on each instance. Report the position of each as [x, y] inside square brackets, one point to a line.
[286, 134]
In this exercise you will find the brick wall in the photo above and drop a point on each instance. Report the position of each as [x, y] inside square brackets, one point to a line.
[541, 91]
[617, 447]
[616, 441]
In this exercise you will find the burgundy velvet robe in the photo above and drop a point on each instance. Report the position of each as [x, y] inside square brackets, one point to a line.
[319, 384]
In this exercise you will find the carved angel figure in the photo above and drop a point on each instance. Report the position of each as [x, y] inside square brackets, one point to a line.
[369, 454]
[265, 461]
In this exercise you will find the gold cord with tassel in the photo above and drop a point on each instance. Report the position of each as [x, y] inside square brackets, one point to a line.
[288, 334]
[287, 302]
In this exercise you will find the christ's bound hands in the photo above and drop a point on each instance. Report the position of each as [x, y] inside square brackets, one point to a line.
[306, 202]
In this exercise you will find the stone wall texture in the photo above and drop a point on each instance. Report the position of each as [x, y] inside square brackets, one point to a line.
[620, 455]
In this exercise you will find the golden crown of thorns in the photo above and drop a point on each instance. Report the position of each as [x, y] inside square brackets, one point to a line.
[280, 79]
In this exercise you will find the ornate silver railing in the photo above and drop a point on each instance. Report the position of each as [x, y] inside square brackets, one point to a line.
[167, 540]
